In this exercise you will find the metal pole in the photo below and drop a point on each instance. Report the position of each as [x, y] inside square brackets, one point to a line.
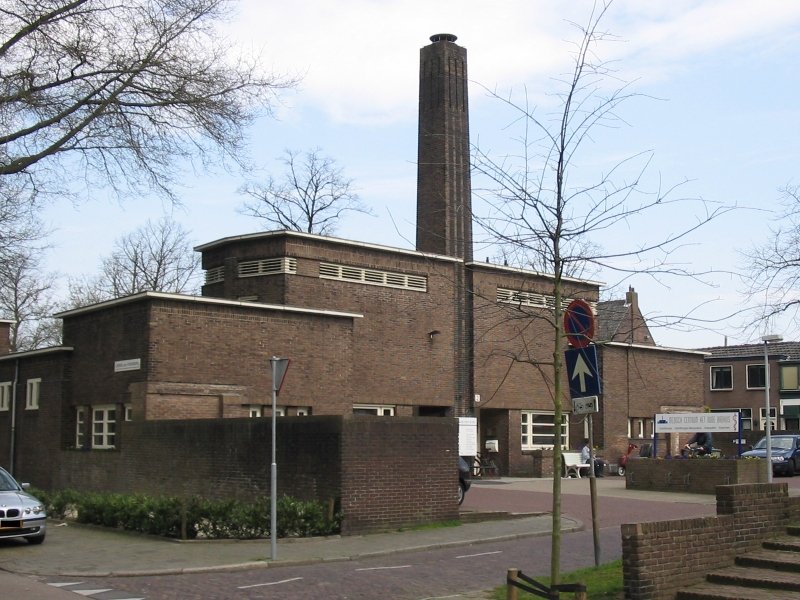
[273, 482]
[768, 421]
[593, 494]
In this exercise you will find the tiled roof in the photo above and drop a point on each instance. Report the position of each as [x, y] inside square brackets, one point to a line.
[790, 350]
[609, 318]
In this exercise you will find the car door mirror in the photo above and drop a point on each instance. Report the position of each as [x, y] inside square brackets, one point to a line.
[25, 486]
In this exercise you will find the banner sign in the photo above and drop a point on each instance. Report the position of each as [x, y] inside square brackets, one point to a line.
[697, 422]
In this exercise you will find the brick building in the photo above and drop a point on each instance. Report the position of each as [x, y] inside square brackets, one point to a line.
[372, 330]
[734, 380]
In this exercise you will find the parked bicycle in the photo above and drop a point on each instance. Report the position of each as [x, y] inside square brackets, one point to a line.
[486, 464]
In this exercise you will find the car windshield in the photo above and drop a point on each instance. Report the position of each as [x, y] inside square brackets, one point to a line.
[7, 483]
[778, 443]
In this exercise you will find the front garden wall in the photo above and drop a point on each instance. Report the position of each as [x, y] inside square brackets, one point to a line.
[693, 475]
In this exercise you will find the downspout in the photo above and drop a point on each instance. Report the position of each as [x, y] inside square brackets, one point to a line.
[13, 417]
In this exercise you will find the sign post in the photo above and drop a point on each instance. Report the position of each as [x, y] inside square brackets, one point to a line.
[584, 388]
[279, 366]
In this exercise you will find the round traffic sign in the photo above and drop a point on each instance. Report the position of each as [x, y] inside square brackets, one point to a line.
[579, 323]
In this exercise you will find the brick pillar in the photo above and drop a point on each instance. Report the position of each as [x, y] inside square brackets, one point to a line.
[5, 336]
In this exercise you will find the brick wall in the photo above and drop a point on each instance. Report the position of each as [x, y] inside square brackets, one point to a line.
[662, 557]
[387, 472]
[698, 476]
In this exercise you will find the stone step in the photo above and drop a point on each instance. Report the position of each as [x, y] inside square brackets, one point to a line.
[711, 591]
[756, 578]
[779, 560]
[793, 530]
[785, 542]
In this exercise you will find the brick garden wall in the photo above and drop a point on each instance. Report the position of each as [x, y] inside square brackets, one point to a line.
[387, 472]
[660, 558]
[695, 475]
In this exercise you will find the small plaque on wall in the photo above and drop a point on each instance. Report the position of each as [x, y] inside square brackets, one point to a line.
[133, 364]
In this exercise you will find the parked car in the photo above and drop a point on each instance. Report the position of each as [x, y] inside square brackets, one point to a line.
[21, 515]
[785, 453]
[464, 479]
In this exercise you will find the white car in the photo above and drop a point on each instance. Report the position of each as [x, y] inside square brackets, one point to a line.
[21, 515]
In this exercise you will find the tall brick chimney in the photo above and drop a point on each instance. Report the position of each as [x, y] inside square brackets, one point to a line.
[444, 206]
[5, 335]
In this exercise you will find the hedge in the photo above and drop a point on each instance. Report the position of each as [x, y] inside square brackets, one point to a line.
[168, 516]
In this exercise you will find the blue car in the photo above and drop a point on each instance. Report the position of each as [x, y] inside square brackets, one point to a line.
[785, 453]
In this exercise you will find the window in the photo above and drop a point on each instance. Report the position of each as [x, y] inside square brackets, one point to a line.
[32, 397]
[721, 378]
[789, 378]
[5, 395]
[372, 277]
[80, 428]
[256, 411]
[303, 411]
[756, 376]
[104, 421]
[747, 415]
[773, 418]
[380, 410]
[640, 427]
[129, 412]
[538, 430]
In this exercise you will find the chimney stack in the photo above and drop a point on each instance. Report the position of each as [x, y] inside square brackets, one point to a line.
[444, 190]
[5, 336]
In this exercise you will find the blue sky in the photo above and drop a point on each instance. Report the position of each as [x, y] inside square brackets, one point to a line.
[723, 115]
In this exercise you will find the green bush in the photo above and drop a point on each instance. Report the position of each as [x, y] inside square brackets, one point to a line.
[216, 520]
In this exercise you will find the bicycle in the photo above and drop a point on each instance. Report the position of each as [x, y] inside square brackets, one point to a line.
[485, 464]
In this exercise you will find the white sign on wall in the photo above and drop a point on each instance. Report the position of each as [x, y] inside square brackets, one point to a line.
[133, 364]
[467, 436]
[697, 422]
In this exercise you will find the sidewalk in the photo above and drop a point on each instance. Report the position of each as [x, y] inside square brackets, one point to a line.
[84, 551]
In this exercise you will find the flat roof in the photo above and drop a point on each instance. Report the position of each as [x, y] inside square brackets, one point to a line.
[662, 348]
[522, 271]
[50, 350]
[203, 300]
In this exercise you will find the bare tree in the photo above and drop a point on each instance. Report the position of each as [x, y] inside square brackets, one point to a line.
[121, 90]
[155, 257]
[543, 221]
[312, 196]
[772, 270]
[27, 296]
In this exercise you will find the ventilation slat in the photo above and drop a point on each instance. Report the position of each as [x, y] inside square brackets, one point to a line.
[268, 266]
[373, 277]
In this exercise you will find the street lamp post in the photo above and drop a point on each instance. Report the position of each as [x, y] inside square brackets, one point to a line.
[767, 339]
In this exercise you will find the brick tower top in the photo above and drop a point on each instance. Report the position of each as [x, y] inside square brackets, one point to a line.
[444, 206]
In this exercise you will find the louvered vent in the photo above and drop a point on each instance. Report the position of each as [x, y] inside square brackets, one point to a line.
[268, 266]
[533, 299]
[215, 275]
[371, 277]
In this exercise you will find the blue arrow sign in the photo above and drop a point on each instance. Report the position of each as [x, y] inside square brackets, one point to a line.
[583, 372]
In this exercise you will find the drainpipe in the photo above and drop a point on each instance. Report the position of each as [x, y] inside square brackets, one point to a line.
[13, 417]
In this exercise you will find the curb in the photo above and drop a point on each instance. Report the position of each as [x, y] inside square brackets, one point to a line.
[578, 526]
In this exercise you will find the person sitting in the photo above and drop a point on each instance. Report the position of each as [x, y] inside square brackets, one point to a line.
[586, 458]
[703, 443]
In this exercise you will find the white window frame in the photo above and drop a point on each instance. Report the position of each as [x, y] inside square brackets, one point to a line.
[747, 375]
[80, 427]
[528, 437]
[303, 411]
[773, 417]
[787, 402]
[128, 408]
[32, 394]
[5, 395]
[796, 369]
[640, 428]
[107, 432]
[381, 410]
[255, 411]
[711, 378]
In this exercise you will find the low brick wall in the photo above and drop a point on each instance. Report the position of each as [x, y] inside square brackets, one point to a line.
[386, 472]
[660, 558]
[694, 475]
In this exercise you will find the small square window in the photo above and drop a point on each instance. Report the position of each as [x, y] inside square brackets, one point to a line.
[32, 397]
[129, 412]
[721, 378]
[789, 377]
[256, 411]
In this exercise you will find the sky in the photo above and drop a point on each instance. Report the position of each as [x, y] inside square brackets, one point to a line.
[717, 113]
